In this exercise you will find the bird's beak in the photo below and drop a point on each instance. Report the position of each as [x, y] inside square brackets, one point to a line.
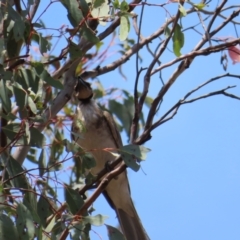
[83, 90]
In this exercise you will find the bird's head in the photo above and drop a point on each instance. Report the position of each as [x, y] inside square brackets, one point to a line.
[83, 90]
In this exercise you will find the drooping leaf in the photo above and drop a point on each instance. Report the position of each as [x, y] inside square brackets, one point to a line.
[114, 233]
[45, 76]
[37, 138]
[19, 25]
[88, 34]
[44, 44]
[12, 131]
[42, 163]
[139, 152]
[200, 5]
[130, 161]
[7, 229]
[124, 6]
[27, 132]
[178, 40]
[74, 50]
[75, 15]
[16, 174]
[20, 95]
[9, 116]
[132, 153]
[44, 209]
[32, 105]
[167, 31]
[84, 7]
[97, 220]
[116, 4]
[24, 223]
[88, 161]
[182, 10]
[73, 199]
[4, 96]
[30, 201]
[124, 27]
[100, 10]
[6, 75]
[49, 228]
[56, 151]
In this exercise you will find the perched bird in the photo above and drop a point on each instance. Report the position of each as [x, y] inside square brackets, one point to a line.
[99, 131]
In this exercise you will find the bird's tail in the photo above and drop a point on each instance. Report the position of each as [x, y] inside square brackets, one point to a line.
[131, 225]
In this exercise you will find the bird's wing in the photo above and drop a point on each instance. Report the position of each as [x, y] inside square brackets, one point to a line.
[113, 129]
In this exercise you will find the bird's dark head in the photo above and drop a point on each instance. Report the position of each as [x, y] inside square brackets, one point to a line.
[83, 90]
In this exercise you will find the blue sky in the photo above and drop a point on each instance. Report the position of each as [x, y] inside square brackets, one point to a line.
[189, 186]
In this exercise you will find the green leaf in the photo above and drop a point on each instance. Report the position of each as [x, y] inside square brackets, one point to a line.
[42, 163]
[130, 161]
[88, 161]
[43, 209]
[167, 32]
[49, 228]
[27, 132]
[30, 201]
[124, 6]
[6, 75]
[73, 199]
[74, 50]
[100, 10]
[11, 130]
[2, 51]
[116, 4]
[83, 5]
[19, 25]
[17, 174]
[32, 105]
[20, 95]
[9, 116]
[75, 15]
[182, 10]
[44, 45]
[114, 233]
[38, 67]
[24, 223]
[200, 6]
[45, 76]
[7, 229]
[4, 96]
[28, 79]
[3, 196]
[89, 34]
[124, 28]
[98, 3]
[139, 152]
[97, 220]
[37, 138]
[178, 40]
[131, 153]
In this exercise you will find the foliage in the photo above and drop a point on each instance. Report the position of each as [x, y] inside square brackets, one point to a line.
[37, 104]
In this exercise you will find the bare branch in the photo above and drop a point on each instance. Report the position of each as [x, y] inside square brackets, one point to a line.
[193, 54]
[174, 109]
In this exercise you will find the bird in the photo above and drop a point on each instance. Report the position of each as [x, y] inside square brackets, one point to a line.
[98, 131]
